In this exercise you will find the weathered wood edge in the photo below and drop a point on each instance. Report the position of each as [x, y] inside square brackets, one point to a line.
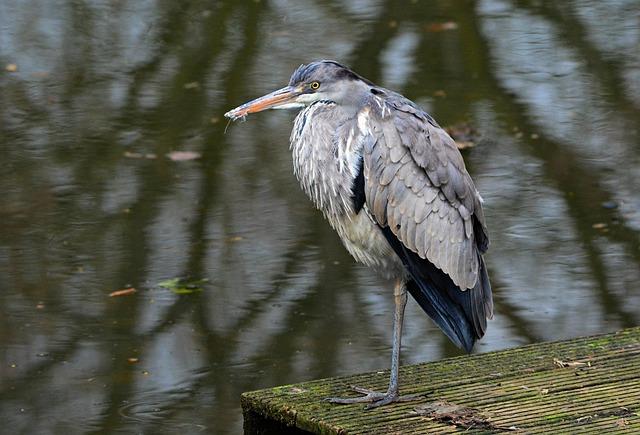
[300, 406]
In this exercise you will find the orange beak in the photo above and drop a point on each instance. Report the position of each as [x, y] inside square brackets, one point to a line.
[274, 100]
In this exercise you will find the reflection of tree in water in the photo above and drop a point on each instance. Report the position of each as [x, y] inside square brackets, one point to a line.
[218, 50]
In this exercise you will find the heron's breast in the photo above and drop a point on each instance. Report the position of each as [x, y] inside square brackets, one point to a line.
[366, 243]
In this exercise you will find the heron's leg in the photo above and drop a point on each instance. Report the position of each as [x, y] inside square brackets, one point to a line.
[376, 398]
[400, 298]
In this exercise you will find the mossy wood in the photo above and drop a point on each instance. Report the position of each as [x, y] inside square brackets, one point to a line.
[583, 385]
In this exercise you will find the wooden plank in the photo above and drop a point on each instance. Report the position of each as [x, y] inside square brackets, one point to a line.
[585, 385]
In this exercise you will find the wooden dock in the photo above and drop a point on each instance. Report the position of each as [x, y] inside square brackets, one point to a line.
[585, 385]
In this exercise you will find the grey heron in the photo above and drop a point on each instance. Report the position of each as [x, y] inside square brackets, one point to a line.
[394, 186]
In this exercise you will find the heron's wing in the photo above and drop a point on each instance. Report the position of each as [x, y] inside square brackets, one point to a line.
[419, 192]
[417, 185]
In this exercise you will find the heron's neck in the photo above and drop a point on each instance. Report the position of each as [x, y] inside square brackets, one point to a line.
[326, 146]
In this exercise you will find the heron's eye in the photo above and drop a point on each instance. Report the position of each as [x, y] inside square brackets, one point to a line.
[314, 85]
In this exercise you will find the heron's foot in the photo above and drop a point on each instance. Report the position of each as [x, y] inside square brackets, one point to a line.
[373, 398]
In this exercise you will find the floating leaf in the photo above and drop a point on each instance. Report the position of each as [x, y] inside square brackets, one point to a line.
[123, 292]
[183, 286]
[12, 67]
[131, 155]
[181, 156]
[441, 27]
[464, 134]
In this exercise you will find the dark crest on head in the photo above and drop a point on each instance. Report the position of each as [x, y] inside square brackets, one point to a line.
[332, 68]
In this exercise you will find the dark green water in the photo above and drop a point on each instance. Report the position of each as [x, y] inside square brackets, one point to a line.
[553, 88]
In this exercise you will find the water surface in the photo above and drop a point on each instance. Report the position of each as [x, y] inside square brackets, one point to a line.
[95, 94]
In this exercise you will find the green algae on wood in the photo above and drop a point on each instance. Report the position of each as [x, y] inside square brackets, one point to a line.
[581, 385]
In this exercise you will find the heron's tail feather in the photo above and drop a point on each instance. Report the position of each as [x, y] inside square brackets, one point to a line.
[462, 315]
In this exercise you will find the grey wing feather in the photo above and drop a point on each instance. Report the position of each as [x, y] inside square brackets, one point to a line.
[417, 184]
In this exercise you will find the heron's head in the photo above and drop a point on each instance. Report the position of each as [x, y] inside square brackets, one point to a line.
[319, 80]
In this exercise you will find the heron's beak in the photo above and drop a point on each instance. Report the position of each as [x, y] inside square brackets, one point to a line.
[284, 98]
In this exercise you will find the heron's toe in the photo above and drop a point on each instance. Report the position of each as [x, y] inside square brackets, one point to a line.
[373, 398]
[369, 396]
